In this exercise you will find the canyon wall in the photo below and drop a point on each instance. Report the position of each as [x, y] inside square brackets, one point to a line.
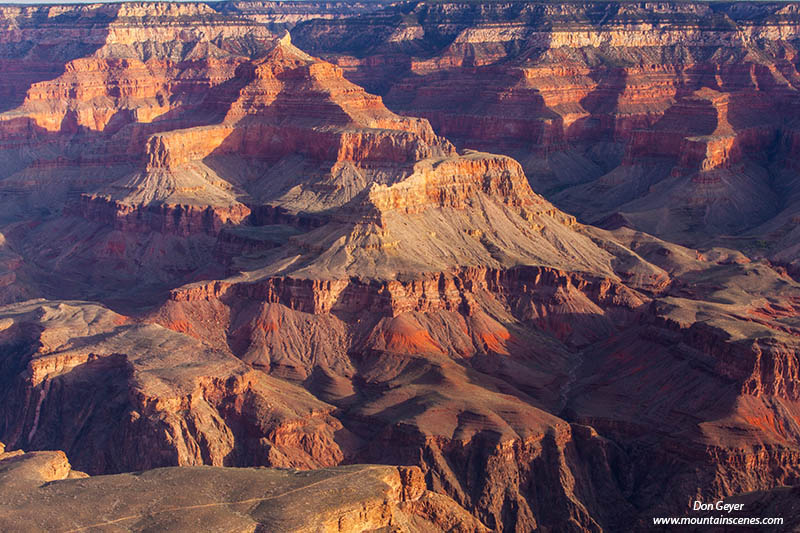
[452, 238]
[601, 102]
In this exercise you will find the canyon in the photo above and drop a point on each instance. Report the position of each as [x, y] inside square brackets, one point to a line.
[420, 266]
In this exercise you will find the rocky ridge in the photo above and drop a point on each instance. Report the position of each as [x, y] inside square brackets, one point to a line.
[230, 499]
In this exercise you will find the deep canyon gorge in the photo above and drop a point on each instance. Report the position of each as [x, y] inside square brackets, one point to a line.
[415, 266]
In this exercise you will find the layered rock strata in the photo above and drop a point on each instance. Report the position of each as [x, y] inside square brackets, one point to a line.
[302, 278]
[601, 103]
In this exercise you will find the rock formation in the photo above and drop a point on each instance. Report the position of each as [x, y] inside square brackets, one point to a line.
[220, 252]
[342, 499]
[611, 108]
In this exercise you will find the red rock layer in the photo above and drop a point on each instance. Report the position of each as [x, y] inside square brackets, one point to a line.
[431, 292]
[708, 130]
[181, 220]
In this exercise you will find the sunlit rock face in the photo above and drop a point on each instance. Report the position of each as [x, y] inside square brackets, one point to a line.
[529, 264]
